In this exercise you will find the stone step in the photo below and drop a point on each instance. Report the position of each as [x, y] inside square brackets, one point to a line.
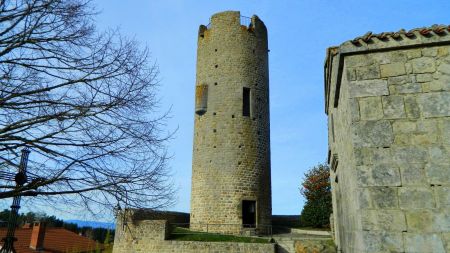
[303, 243]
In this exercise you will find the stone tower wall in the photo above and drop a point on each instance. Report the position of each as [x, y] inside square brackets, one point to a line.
[231, 156]
[388, 106]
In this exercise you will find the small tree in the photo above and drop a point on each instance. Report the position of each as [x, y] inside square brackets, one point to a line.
[316, 189]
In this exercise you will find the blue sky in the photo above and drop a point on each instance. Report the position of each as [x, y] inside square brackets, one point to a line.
[300, 31]
[299, 34]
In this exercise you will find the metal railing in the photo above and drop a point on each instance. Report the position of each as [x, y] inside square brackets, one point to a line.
[216, 228]
[246, 21]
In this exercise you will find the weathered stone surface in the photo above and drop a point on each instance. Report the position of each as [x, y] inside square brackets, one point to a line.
[441, 83]
[354, 109]
[435, 104]
[351, 74]
[423, 243]
[364, 199]
[370, 108]
[430, 51]
[368, 72]
[368, 88]
[408, 88]
[373, 134]
[421, 78]
[375, 241]
[383, 197]
[404, 126]
[422, 221]
[442, 51]
[416, 198]
[444, 125]
[413, 53]
[378, 175]
[438, 174]
[409, 155]
[427, 126]
[399, 80]
[444, 68]
[413, 174]
[411, 107]
[392, 69]
[358, 61]
[443, 219]
[443, 196]
[393, 107]
[423, 65]
[440, 154]
[383, 220]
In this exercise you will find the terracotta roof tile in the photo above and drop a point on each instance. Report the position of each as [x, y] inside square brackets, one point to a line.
[435, 30]
[56, 240]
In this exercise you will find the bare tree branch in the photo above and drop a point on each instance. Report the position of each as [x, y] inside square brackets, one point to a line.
[85, 102]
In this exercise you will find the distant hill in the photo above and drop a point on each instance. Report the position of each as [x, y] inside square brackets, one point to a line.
[93, 224]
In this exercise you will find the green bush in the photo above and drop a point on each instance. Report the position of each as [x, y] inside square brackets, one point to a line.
[316, 189]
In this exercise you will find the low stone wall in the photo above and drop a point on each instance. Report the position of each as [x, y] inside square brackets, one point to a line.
[202, 247]
[148, 214]
[151, 236]
[310, 232]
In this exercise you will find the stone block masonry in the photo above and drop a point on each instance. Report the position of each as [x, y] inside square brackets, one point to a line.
[388, 105]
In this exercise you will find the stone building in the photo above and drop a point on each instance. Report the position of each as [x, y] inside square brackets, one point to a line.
[231, 155]
[387, 97]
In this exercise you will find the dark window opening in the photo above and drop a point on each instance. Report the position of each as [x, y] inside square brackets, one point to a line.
[249, 213]
[246, 102]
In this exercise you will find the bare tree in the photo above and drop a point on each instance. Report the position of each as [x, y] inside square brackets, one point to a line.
[84, 102]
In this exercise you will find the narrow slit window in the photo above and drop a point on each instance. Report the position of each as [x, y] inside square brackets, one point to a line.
[332, 127]
[246, 102]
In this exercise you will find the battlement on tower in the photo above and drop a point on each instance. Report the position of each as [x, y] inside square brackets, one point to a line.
[233, 20]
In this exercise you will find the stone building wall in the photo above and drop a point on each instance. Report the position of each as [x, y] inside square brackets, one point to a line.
[388, 107]
[231, 153]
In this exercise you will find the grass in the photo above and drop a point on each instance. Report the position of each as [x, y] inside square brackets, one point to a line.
[183, 234]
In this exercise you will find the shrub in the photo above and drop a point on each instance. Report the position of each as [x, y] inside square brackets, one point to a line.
[316, 189]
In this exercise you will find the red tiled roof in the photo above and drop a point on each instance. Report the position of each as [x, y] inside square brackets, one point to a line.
[435, 30]
[56, 240]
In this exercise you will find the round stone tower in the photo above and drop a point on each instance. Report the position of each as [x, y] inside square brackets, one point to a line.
[231, 187]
